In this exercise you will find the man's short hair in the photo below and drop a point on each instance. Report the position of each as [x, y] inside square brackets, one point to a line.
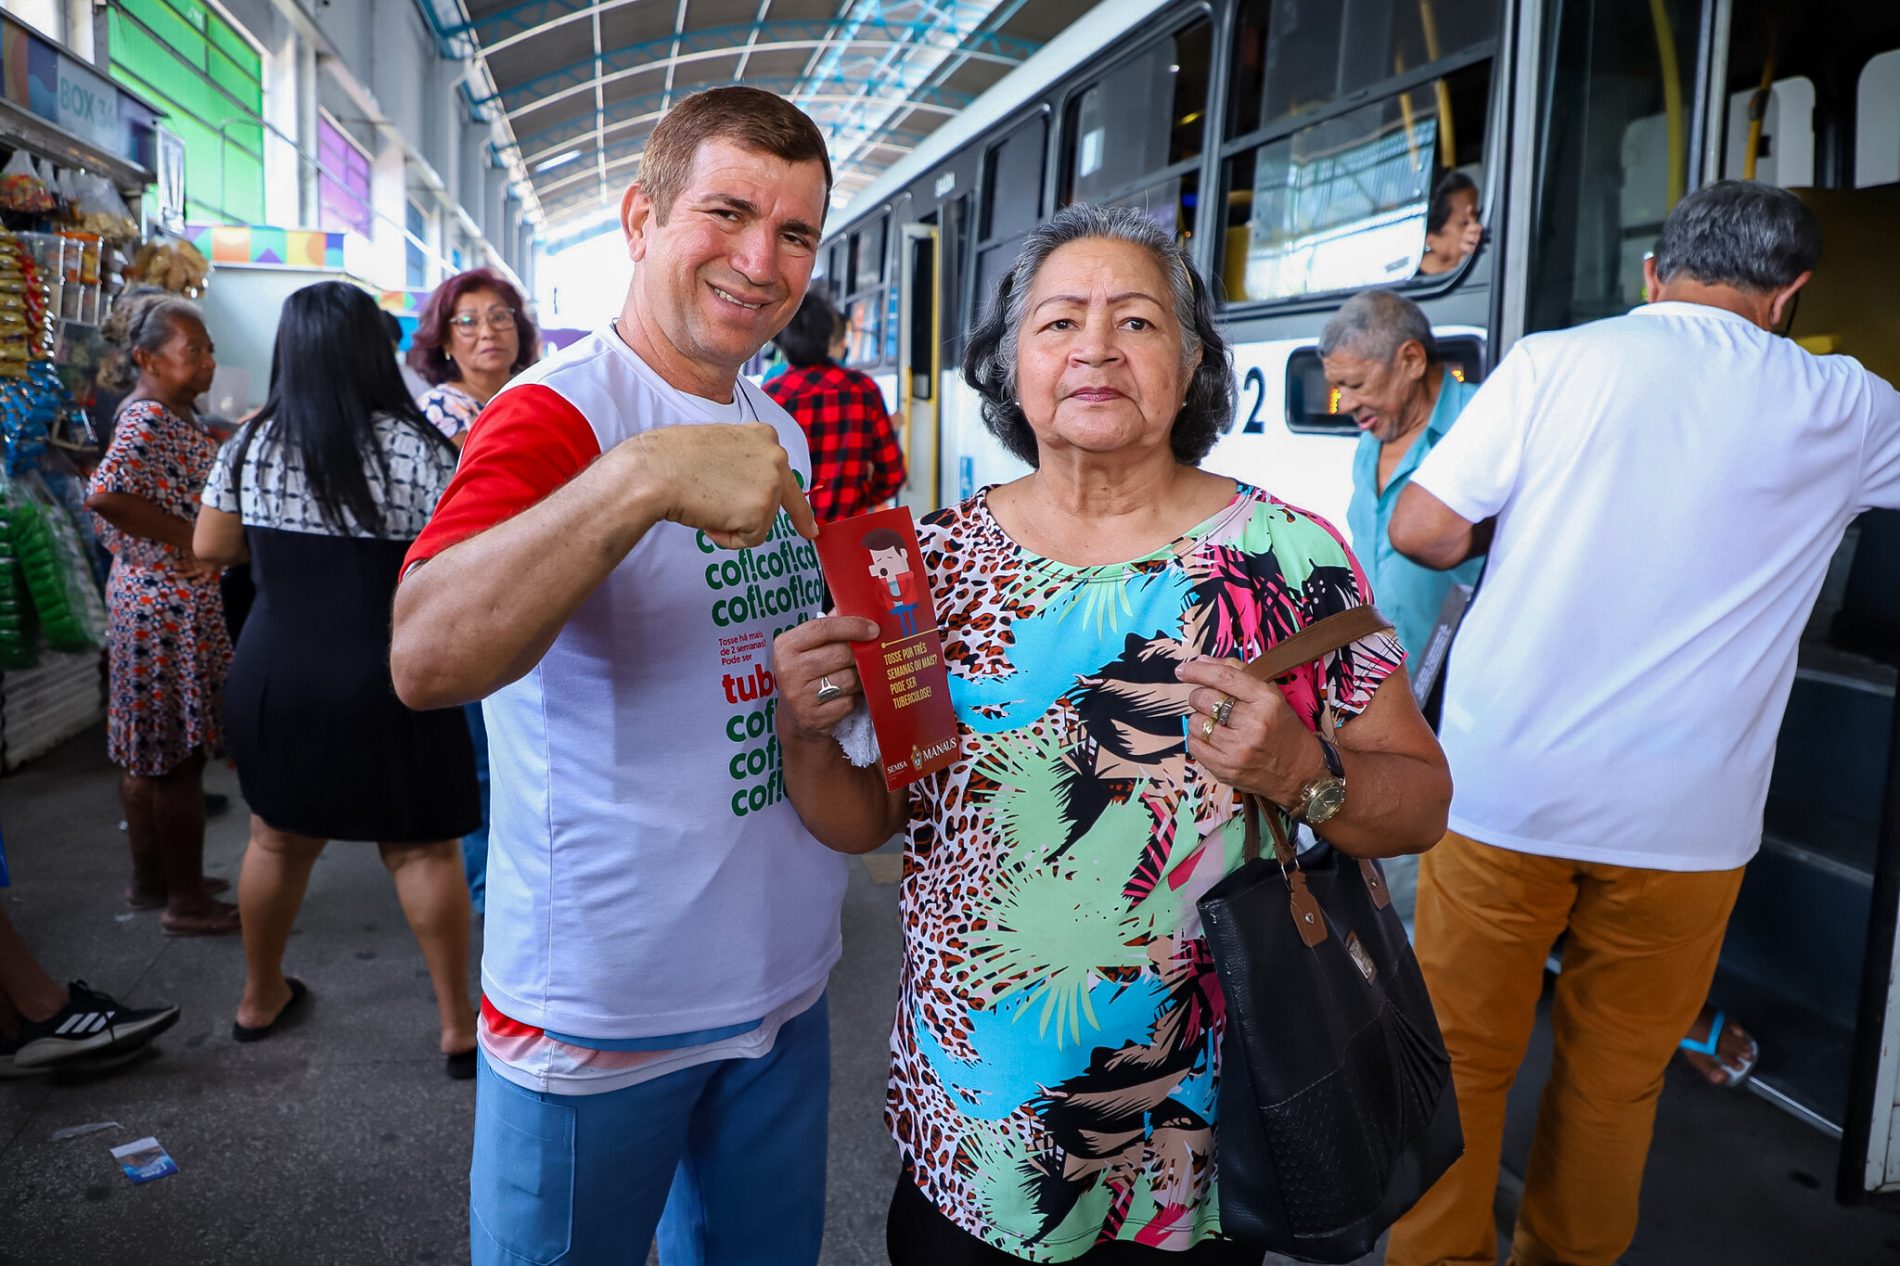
[1739, 233]
[750, 117]
[1375, 324]
[806, 338]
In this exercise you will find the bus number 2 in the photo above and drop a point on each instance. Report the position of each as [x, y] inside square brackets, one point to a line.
[1256, 382]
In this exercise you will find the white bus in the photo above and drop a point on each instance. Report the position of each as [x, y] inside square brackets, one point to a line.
[1295, 145]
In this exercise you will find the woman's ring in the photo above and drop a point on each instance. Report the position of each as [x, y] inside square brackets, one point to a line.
[1223, 709]
[1207, 728]
[827, 690]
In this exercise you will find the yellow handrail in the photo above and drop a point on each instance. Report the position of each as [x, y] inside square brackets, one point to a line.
[1447, 144]
[1672, 101]
[1757, 108]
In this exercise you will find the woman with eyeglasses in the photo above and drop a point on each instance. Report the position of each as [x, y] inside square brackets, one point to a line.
[472, 336]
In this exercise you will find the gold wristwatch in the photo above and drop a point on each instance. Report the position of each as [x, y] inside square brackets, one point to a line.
[1322, 799]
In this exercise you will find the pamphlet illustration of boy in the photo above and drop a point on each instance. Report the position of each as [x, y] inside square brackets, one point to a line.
[890, 567]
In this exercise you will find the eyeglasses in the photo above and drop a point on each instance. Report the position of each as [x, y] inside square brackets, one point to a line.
[494, 318]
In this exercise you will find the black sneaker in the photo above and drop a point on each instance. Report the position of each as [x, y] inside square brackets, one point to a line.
[91, 1022]
[9, 1047]
[75, 1065]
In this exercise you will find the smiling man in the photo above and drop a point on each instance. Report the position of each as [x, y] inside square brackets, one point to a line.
[1379, 355]
[660, 926]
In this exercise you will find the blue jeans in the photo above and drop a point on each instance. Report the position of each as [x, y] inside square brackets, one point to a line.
[726, 1160]
[475, 844]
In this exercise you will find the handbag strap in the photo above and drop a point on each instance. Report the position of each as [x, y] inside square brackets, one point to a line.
[1321, 637]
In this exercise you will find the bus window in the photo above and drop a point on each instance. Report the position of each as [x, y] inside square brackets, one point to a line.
[1012, 183]
[1297, 57]
[991, 263]
[864, 340]
[869, 259]
[1312, 405]
[1011, 205]
[1346, 202]
[1877, 138]
[1142, 158]
[1613, 152]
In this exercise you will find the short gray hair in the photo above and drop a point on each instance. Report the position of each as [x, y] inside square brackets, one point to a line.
[1739, 233]
[1376, 324]
[989, 359]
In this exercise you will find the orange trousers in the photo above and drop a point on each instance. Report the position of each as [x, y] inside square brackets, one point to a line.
[1641, 951]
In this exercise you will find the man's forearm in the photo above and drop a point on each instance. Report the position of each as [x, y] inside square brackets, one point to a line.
[1430, 533]
[483, 612]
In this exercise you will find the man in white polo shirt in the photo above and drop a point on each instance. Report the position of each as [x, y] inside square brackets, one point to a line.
[1668, 487]
[660, 926]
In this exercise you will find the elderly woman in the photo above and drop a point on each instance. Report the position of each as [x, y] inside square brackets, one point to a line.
[1056, 1050]
[166, 640]
[1453, 231]
[472, 336]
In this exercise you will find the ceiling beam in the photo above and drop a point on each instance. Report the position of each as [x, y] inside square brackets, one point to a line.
[727, 41]
[536, 146]
[633, 156]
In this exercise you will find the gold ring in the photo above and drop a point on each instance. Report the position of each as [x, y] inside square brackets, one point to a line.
[1224, 709]
[1207, 728]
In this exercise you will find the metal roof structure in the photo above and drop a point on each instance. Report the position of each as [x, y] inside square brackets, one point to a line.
[573, 87]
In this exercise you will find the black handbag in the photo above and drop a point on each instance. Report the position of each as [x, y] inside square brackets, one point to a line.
[1336, 1105]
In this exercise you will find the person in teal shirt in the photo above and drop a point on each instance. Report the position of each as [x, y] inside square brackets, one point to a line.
[1379, 354]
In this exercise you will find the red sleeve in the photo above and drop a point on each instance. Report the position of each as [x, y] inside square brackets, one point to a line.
[528, 442]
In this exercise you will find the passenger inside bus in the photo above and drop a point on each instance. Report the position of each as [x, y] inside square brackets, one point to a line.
[1452, 228]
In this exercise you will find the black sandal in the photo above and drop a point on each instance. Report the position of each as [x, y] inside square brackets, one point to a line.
[258, 1032]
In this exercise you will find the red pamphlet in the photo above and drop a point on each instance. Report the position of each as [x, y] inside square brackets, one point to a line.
[875, 570]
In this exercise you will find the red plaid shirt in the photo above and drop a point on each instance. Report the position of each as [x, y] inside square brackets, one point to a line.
[855, 462]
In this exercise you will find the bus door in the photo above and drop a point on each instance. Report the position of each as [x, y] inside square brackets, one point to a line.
[1633, 103]
[918, 369]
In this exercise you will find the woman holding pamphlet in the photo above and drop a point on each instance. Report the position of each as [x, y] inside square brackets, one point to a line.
[1057, 1046]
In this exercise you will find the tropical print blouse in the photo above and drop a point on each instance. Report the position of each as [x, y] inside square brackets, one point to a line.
[1055, 1055]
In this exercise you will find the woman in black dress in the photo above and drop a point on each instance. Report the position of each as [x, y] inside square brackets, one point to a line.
[329, 485]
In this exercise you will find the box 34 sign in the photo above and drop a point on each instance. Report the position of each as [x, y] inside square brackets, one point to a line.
[88, 106]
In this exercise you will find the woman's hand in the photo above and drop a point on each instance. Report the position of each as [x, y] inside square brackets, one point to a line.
[1263, 747]
[200, 571]
[1398, 790]
[812, 653]
[846, 807]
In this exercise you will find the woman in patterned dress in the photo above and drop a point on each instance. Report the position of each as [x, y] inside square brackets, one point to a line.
[326, 488]
[1057, 1047]
[472, 336]
[166, 639]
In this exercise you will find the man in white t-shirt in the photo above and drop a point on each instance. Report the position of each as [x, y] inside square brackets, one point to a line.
[624, 536]
[1667, 488]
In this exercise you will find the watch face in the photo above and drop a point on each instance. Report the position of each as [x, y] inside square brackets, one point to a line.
[1327, 797]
